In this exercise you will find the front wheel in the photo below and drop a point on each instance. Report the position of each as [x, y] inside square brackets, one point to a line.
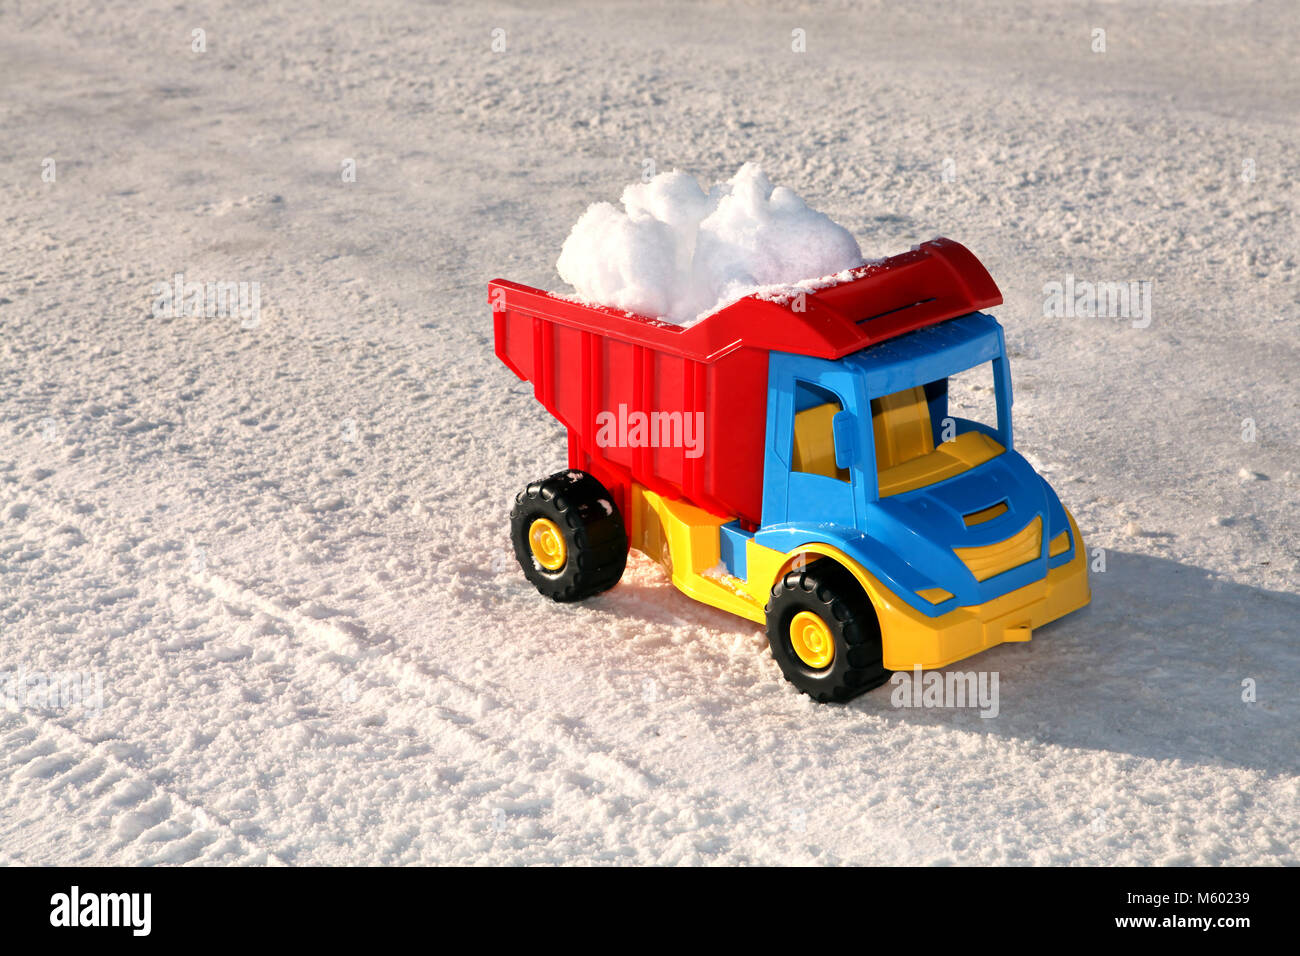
[824, 633]
[568, 535]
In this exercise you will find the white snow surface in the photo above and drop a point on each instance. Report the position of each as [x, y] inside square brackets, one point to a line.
[283, 548]
[677, 253]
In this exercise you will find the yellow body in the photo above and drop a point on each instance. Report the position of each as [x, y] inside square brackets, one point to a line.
[685, 540]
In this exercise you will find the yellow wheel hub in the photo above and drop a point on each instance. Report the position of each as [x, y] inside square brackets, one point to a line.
[812, 640]
[547, 544]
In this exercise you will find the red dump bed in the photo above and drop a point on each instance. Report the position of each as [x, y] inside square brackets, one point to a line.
[587, 360]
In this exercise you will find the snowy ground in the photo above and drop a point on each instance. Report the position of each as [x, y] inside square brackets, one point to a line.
[283, 549]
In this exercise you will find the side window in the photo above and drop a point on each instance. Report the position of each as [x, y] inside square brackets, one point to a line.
[814, 437]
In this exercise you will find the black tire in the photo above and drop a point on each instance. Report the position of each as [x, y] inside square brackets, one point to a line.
[829, 591]
[594, 536]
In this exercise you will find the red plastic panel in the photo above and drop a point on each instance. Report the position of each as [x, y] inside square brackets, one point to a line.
[579, 374]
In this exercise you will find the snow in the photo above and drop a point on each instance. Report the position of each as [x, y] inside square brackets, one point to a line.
[283, 548]
[678, 254]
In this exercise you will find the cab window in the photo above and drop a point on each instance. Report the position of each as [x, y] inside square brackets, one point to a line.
[814, 437]
[913, 451]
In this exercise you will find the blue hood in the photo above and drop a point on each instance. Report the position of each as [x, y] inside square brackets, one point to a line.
[907, 540]
[925, 525]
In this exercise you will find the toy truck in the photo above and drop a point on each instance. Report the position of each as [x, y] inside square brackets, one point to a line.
[792, 460]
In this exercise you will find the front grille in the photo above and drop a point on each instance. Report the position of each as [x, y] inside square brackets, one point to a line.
[992, 559]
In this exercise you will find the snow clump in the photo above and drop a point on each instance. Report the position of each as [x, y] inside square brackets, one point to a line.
[677, 253]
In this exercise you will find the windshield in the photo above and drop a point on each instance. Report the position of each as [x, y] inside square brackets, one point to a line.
[935, 431]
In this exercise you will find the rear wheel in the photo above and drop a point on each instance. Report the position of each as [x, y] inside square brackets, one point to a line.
[568, 535]
[824, 633]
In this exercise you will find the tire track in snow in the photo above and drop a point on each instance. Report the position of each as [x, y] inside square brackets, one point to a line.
[473, 707]
[145, 811]
[465, 719]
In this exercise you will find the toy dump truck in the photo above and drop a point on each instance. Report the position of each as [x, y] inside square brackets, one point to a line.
[794, 461]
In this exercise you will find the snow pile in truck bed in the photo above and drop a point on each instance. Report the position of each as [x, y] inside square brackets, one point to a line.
[678, 253]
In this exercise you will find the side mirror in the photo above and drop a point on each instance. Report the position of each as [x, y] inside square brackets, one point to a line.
[842, 430]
